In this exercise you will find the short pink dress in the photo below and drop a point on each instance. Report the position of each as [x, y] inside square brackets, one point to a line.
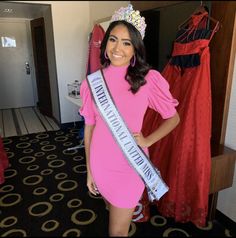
[115, 179]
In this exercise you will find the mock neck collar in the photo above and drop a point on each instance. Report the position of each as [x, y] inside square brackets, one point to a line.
[118, 68]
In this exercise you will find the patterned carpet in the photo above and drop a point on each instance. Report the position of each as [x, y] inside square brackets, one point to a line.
[45, 194]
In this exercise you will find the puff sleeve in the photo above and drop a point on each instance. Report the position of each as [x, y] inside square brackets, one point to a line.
[87, 109]
[159, 96]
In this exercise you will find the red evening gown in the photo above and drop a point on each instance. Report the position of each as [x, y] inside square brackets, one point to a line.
[184, 156]
[96, 37]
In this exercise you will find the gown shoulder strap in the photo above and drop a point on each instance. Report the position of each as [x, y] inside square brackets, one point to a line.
[197, 23]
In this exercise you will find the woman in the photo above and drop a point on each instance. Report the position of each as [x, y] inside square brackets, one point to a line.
[134, 87]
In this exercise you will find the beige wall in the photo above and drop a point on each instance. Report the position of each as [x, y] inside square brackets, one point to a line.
[104, 9]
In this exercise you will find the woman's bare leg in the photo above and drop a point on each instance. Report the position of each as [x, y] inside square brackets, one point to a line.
[119, 220]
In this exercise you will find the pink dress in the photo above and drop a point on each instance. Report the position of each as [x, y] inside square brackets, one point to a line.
[116, 180]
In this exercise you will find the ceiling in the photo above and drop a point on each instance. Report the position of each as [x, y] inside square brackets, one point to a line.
[21, 10]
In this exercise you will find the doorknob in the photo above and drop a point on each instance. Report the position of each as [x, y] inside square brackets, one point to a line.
[27, 67]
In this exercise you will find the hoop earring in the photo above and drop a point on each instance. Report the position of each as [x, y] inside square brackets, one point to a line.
[133, 61]
[105, 55]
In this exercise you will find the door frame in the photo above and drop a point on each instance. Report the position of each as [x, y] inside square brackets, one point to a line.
[43, 83]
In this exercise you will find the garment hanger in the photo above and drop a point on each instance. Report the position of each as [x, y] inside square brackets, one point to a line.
[199, 10]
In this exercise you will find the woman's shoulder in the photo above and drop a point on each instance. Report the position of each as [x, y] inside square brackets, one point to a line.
[154, 78]
[84, 87]
[84, 83]
[153, 74]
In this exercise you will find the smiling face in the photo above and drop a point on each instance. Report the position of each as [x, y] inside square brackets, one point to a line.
[119, 48]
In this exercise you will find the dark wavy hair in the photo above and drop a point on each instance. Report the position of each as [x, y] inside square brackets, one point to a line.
[135, 75]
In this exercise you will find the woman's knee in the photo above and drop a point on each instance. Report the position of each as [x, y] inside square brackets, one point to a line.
[119, 221]
[118, 234]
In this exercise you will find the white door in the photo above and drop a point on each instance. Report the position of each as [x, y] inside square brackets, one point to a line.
[16, 87]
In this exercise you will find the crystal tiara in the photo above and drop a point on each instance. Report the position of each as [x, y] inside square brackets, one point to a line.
[133, 17]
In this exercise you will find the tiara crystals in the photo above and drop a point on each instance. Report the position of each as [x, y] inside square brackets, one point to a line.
[131, 16]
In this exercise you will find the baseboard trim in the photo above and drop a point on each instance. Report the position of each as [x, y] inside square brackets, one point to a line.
[226, 221]
[77, 124]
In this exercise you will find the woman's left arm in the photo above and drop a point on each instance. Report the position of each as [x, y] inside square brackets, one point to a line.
[165, 128]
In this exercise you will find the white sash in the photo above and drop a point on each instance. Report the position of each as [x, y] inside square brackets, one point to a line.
[156, 187]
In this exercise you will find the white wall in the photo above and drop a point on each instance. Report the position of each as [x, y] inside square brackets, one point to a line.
[226, 202]
[230, 139]
[70, 26]
[227, 198]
